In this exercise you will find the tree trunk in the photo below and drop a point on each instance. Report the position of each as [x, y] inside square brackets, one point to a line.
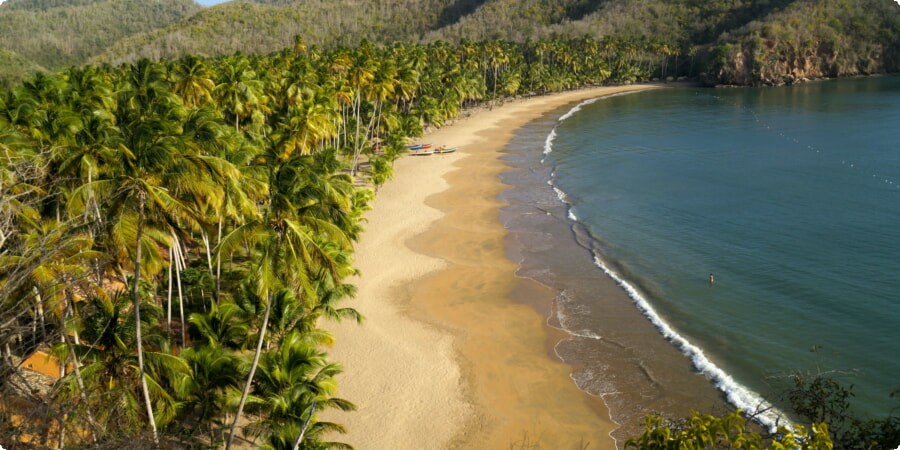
[219, 262]
[358, 107]
[169, 296]
[259, 345]
[312, 408]
[179, 267]
[136, 305]
[80, 381]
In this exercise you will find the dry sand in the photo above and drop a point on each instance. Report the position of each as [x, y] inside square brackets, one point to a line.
[444, 358]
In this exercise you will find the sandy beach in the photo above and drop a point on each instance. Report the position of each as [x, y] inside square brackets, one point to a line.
[445, 359]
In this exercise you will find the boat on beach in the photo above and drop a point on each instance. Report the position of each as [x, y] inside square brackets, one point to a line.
[427, 149]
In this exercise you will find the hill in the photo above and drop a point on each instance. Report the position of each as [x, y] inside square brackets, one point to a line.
[58, 33]
[746, 42]
[15, 67]
[267, 26]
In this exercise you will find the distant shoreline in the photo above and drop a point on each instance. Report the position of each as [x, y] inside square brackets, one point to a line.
[445, 359]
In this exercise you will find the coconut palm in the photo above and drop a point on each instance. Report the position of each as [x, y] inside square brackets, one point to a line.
[238, 90]
[193, 81]
[203, 393]
[224, 325]
[289, 239]
[295, 382]
[155, 185]
[110, 364]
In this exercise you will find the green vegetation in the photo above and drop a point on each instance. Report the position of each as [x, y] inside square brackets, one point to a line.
[179, 233]
[178, 230]
[832, 38]
[824, 420]
[729, 431]
[58, 33]
[820, 398]
[16, 68]
[746, 42]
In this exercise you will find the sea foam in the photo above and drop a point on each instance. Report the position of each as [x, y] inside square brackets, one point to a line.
[578, 107]
[736, 393]
[548, 143]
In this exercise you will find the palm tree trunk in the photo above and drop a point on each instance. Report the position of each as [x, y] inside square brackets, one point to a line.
[136, 305]
[179, 267]
[358, 106]
[219, 262]
[312, 408]
[169, 296]
[209, 260]
[80, 381]
[39, 310]
[259, 345]
[358, 147]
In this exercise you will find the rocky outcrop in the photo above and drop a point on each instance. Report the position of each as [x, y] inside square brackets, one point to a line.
[763, 62]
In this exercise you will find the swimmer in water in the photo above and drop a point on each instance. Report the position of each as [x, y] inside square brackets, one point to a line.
[712, 280]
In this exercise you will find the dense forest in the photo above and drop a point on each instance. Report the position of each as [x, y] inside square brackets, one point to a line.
[53, 34]
[177, 231]
[175, 236]
[744, 42]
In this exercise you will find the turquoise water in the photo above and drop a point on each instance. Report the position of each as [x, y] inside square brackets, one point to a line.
[789, 196]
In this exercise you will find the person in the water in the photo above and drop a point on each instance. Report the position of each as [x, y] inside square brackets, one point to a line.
[712, 279]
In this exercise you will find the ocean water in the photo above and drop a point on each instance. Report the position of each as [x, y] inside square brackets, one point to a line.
[789, 196]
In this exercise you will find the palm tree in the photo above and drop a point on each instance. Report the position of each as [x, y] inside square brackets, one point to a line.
[289, 240]
[193, 81]
[295, 381]
[203, 394]
[110, 365]
[224, 325]
[157, 173]
[238, 90]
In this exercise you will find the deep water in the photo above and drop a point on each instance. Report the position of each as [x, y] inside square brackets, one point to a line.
[789, 196]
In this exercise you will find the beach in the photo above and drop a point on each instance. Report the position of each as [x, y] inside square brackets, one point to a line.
[445, 358]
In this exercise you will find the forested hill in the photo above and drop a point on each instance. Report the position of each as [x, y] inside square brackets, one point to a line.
[728, 41]
[53, 34]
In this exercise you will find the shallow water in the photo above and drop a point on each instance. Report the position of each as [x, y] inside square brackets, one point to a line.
[789, 196]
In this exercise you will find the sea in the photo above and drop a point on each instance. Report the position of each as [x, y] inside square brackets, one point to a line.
[753, 232]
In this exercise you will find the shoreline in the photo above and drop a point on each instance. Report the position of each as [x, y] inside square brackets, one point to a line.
[446, 357]
[612, 344]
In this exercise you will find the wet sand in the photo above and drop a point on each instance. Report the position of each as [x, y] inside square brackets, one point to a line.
[445, 358]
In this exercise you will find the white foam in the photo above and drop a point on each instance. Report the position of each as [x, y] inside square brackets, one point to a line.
[737, 394]
[572, 215]
[578, 107]
[548, 143]
[561, 195]
[565, 309]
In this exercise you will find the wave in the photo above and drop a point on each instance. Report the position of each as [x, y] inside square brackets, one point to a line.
[565, 307]
[565, 200]
[578, 107]
[736, 393]
[548, 143]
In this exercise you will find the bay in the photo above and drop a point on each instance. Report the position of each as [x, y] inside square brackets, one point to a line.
[789, 196]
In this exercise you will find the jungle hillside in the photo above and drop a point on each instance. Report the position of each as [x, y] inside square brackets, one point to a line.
[740, 42]
[182, 188]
